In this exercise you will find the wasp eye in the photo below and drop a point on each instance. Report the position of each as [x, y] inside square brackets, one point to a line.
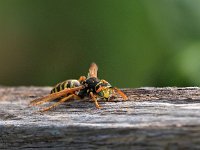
[101, 94]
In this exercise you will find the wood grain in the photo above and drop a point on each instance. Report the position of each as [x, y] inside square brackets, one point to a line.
[152, 118]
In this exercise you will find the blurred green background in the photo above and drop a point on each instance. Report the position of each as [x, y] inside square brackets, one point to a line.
[134, 42]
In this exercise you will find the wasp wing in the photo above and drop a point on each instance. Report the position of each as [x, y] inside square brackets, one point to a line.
[93, 70]
[54, 96]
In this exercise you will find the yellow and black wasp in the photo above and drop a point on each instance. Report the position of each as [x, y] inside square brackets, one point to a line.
[78, 89]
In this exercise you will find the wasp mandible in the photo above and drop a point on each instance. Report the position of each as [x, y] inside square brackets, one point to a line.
[91, 87]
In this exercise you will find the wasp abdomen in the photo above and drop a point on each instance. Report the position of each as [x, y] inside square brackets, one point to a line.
[65, 84]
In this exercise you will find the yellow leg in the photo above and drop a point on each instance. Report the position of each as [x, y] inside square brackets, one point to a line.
[33, 103]
[95, 100]
[61, 101]
[121, 93]
[82, 78]
[54, 96]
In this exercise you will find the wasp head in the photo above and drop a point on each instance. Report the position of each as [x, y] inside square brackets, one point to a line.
[104, 90]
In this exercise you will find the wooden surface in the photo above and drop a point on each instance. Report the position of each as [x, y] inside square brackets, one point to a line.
[152, 118]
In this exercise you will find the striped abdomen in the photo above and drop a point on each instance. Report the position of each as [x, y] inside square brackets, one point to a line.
[66, 84]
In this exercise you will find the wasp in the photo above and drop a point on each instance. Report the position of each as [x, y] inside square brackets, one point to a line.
[91, 87]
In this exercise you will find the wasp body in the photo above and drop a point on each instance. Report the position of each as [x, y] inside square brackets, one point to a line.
[65, 84]
[77, 89]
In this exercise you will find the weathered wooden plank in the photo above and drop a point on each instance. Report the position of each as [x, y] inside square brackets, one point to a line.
[153, 118]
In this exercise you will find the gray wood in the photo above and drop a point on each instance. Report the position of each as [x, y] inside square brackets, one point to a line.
[152, 118]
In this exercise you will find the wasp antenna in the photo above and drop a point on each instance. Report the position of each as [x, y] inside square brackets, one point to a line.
[121, 93]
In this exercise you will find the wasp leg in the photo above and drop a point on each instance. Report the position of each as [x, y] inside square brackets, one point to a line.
[121, 93]
[54, 96]
[99, 89]
[82, 78]
[60, 102]
[95, 100]
[112, 98]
